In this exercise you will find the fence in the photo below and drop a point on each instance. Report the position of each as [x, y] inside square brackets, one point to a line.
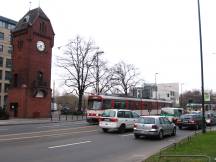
[57, 116]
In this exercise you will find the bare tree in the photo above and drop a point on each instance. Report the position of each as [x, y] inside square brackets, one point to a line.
[124, 77]
[77, 61]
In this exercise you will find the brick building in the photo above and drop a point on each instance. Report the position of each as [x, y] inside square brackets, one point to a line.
[30, 92]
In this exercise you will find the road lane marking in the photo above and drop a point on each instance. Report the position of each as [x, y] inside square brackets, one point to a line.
[48, 131]
[71, 144]
[3, 129]
[125, 135]
[48, 135]
[50, 126]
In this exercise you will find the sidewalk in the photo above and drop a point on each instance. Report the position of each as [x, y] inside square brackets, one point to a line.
[55, 119]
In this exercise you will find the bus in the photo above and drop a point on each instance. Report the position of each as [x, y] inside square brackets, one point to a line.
[98, 103]
[172, 113]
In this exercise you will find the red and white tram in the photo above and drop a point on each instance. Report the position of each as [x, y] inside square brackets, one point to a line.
[98, 103]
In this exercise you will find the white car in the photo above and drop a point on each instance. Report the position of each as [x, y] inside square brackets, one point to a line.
[117, 119]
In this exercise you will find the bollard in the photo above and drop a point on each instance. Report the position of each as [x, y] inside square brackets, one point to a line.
[66, 117]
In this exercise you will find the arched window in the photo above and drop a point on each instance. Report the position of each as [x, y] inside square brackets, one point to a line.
[42, 27]
[39, 76]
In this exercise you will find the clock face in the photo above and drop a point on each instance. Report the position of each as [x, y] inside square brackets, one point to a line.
[40, 46]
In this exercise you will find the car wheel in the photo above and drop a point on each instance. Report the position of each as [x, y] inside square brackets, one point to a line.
[160, 135]
[105, 130]
[180, 127]
[121, 129]
[174, 132]
[136, 136]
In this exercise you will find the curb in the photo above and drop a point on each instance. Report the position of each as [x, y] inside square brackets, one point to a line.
[42, 122]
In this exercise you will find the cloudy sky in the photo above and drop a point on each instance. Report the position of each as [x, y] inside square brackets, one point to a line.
[157, 36]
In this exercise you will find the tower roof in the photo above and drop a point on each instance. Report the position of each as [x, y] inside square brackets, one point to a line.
[29, 18]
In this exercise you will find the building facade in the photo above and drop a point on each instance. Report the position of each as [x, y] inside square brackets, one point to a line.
[29, 95]
[163, 91]
[6, 25]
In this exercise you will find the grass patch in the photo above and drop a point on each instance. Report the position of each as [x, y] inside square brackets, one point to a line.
[200, 144]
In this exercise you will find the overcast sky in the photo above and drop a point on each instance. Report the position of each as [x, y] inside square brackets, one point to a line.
[157, 36]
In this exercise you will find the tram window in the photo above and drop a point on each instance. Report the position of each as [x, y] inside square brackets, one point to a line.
[117, 105]
[107, 104]
[123, 105]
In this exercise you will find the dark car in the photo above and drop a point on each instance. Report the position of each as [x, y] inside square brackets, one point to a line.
[66, 110]
[190, 121]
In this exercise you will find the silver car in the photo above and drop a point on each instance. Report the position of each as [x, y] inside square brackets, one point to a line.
[154, 126]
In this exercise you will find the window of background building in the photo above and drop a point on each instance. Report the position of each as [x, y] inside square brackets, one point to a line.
[8, 63]
[10, 26]
[7, 75]
[2, 24]
[6, 87]
[1, 36]
[10, 49]
[5, 100]
[1, 48]
[1, 61]
[0, 76]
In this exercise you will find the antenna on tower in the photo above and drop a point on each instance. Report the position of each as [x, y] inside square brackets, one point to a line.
[30, 5]
[39, 3]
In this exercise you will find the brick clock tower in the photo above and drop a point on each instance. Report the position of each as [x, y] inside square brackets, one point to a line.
[30, 94]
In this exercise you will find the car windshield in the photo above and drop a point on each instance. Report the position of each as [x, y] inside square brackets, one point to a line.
[146, 120]
[108, 113]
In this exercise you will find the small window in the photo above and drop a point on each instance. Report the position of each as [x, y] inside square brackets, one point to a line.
[10, 26]
[1, 61]
[7, 75]
[1, 36]
[10, 49]
[2, 24]
[6, 87]
[1, 74]
[1, 48]
[42, 27]
[8, 63]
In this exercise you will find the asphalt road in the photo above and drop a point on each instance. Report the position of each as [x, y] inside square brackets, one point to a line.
[76, 142]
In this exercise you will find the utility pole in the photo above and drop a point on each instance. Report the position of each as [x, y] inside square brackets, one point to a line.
[202, 75]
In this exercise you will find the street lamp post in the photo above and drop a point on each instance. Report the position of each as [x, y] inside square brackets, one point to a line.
[181, 95]
[97, 71]
[156, 91]
[202, 75]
